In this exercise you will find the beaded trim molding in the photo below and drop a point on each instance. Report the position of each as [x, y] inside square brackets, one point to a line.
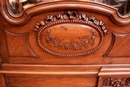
[70, 17]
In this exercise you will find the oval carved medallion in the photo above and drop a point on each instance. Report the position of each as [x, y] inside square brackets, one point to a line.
[69, 37]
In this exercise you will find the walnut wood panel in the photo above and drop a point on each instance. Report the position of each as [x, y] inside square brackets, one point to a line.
[83, 75]
[49, 81]
[47, 58]
[2, 81]
[18, 45]
[120, 46]
[3, 44]
[0, 61]
[48, 76]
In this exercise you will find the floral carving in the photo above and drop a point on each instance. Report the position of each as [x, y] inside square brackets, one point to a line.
[88, 43]
[117, 82]
[49, 18]
[83, 17]
[70, 15]
[128, 81]
[59, 17]
[73, 44]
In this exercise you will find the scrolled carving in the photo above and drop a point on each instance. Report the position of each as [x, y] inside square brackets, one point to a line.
[72, 46]
[116, 82]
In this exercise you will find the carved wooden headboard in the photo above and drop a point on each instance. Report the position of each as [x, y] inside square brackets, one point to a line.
[64, 44]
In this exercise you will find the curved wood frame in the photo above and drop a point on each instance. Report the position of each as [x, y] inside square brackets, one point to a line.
[45, 7]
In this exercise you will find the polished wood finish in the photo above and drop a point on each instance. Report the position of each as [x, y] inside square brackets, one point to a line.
[64, 44]
[114, 77]
[2, 81]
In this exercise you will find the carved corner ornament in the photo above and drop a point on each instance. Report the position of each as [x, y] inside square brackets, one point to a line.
[70, 34]
[117, 82]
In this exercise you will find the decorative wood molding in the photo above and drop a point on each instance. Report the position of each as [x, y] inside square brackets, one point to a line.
[0, 61]
[82, 5]
[69, 16]
[2, 81]
[3, 44]
[96, 28]
[72, 44]
[49, 72]
[72, 67]
[21, 46]
[113, 51]
[116, 82]
[114, 77]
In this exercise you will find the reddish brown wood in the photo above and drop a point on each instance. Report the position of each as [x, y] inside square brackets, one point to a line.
[3, 44]
[64, 44]
[21, 41]
[114, 77]
[56, 81]
[117, 46]
[102, 9]
[2, 81]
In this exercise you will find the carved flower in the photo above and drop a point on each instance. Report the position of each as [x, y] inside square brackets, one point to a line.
[92, 19]
[83, 17]
[66, 45]
[42, 23]
[57, 43]
[49, 38]
[96, 22]
[128, 81]
[75, 45]
[107, 82]
[84, 41]
[101, 23]
[114, 82]
[59, 16]
[70, 15]
[39, 24]
[104, 29]
[118, 82]
[49, 18]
